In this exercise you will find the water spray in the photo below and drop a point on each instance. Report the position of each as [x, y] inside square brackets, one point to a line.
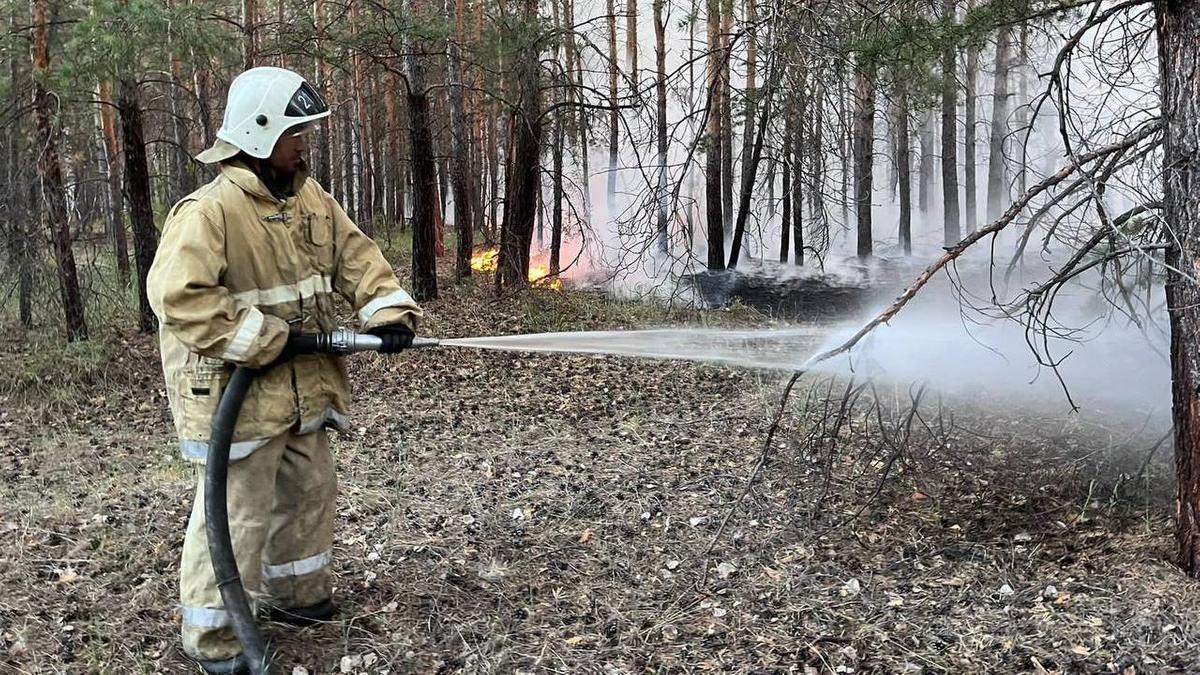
[769, 349]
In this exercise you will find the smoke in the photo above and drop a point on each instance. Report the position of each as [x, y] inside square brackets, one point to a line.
[1092, 355]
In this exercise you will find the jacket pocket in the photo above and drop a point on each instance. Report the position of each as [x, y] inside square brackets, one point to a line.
[200, 388]
[320, 241]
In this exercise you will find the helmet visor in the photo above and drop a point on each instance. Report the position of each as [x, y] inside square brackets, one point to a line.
[306, 102]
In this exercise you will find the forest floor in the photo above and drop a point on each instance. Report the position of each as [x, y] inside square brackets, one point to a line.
[511, 513]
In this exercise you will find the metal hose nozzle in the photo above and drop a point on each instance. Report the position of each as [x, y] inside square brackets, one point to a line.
[346, 341]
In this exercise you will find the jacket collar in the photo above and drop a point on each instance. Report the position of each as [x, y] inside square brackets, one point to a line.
[240, 175]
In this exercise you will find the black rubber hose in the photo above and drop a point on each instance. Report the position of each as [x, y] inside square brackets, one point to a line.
[216, 524]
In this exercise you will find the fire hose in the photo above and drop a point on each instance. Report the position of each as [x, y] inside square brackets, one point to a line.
[216, 512]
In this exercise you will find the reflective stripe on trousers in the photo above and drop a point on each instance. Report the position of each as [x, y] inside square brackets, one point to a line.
[281, 509]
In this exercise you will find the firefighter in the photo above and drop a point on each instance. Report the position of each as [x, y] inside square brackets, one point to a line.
[258, 253]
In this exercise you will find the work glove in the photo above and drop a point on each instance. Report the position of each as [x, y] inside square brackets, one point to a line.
[396, 337]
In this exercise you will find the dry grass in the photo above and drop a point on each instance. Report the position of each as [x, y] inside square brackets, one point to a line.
[506, 513]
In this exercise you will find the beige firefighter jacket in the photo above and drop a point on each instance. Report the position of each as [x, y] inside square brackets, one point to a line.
[235, 269]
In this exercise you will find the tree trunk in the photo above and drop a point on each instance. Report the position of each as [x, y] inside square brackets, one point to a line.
[631, 39]
[798, 139]
[201, 80]
[324, 151]
[785, 227]
[864, 147]
[816, 182]
[424, 179]
[366, 178]
[460, 165]
[712, 177]
[137, 184]
[584, 149]
[50, 174]
[904, 164]
[520, 203]
[391, 136]
[249, 41]
[663, 191]
[998, 194]
[17, 239]
[568, 26]
[182, 157]
[1022, 112]
[925, 176]
[748, 178]
[116, 196]
[751, 82]
[951, 228]
[556, 205]
[614, 116]
[493, 181]
[1178, 34]
[727, 116]
[969, 179]
[846, 142]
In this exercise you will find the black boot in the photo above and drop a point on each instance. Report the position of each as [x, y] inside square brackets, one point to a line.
[232, 666]
[303, 616]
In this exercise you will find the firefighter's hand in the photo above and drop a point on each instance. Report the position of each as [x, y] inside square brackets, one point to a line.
[396, 337]
[297, 344]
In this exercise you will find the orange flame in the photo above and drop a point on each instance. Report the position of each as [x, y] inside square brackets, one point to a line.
[485, 260]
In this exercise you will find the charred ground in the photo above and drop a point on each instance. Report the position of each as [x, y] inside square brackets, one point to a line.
[513, 513]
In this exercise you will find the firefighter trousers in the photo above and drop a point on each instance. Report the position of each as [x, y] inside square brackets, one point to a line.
[281, 510]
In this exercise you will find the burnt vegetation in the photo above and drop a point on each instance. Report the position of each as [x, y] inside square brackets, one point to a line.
[559, 166]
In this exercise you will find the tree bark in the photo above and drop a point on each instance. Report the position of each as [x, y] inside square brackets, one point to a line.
[556, 205]
[182, 157]
[493, 181]
[798, 166]
[846, 142]
[951, 228]
[366, 178]
[785, 226]
[116, 196]
[904, 168]
[249, 37]
[324, 151]
[424, 179]
[816, 178]
[864, 147]
[201, 80]
[712, 177]
[17, 240]
[137, 184]
[50, 174]
[395, 185]
[663, 196]
[520, 203]
[751, 92]
[614, 116]
[925, 175]
[1178, 34]
[748, 178]
[1022, 112]
[631, 39]
[969, 178]
[727, 115]
[998, 195]
[460, 164]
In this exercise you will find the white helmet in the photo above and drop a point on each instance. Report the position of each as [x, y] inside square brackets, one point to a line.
[263, 103]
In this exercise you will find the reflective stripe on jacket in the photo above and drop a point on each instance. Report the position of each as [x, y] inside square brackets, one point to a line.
[234, 268]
